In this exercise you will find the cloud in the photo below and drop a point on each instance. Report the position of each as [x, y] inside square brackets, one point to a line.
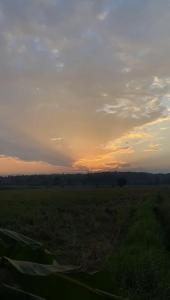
[99, 163]
[14, 165]
[29, 149]
[153, 148]
[162, 119]
[92, 72]
[57, 139]
[120, 149]
[103, 15]
[142, 107]
[124, 143]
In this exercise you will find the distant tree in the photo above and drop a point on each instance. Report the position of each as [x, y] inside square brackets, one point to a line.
[121, 181]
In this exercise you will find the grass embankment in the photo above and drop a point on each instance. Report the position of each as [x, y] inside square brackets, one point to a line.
[139, 268]
[162, 211]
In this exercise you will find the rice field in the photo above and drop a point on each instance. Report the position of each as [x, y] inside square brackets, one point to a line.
[119, 234]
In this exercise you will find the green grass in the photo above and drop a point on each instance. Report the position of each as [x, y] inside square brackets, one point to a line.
[139, 268]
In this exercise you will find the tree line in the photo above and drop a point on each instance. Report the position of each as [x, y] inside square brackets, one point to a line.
[88, 179]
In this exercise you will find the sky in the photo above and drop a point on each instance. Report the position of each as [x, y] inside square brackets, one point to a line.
[84, 86]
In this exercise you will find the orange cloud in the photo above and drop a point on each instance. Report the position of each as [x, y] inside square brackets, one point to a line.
[119, 149]
[137, 135]
[162, 119]
[99, 163]
[14, 165]
[120, 145]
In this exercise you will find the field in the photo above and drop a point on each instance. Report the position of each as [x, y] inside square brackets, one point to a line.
[121, 234]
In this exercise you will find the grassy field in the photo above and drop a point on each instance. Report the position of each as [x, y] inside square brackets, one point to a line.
[121, 232]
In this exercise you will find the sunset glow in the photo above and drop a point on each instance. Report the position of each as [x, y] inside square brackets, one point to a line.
[84, 86]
